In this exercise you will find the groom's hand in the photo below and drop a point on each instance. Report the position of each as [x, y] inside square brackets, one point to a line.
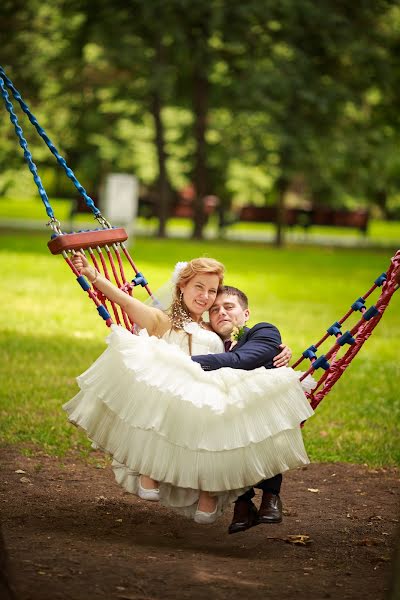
[283, 359]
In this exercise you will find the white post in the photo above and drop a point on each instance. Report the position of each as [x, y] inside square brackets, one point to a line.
[119, 200]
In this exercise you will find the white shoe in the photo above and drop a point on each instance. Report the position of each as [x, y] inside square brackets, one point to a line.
[206, 518]
[153, 495]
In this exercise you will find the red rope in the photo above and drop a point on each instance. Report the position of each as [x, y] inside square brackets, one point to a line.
[146, 287]
[363, 329]
[127, 323]
[107, 276]
[92, 295]
[98, 239]
[121, 266]
[341, 321]
[125, 283]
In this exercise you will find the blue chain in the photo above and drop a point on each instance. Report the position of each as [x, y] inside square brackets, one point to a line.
[61, 161]
[24, 145]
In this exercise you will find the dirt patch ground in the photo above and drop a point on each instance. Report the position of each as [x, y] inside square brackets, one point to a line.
[71, 533]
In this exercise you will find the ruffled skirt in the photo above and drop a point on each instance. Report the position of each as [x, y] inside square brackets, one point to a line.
[158, 413]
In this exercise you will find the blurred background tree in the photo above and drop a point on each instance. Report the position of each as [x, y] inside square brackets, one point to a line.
[243, 101]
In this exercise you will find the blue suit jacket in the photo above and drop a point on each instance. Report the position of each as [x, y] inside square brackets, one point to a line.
[256, 348]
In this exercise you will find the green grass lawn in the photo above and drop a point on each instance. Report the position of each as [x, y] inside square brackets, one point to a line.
[51, 332]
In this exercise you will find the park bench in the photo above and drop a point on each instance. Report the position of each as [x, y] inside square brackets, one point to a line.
[181, 207]
[357, 219]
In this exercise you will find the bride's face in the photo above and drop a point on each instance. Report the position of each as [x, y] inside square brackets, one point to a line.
[199, 293]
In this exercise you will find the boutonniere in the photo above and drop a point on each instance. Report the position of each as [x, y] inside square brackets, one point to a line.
[237, 334]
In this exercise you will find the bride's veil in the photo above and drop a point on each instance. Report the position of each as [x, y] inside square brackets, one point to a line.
[162, 298]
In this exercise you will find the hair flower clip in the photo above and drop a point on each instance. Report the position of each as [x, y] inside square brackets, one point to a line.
[177, 271]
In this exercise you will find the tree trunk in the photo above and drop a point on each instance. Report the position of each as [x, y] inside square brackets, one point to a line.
[82, 106]
[200, 174]
[162, 180]
[381, 200]
[221, 211]
[282, 185]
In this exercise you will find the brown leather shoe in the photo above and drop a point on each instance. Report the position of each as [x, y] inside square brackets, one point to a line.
[244, 516]
[270, 509]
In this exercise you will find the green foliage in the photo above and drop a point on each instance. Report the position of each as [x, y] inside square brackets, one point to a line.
[248, 96]
[51, 332]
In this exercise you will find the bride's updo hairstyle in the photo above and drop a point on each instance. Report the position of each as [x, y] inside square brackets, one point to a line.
[178, 314]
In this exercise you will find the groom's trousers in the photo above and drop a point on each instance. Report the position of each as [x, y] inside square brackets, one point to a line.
[272, 485]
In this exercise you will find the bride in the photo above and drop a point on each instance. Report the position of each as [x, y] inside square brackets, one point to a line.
[192, 439]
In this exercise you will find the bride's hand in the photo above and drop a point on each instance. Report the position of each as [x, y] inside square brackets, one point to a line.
[81, 263]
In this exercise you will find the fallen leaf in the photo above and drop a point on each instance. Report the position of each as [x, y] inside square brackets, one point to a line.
[20, 471]
[299, 540]
[25, 480]
[313, 490]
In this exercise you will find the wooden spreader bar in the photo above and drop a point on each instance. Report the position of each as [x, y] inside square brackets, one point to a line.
[86, 239]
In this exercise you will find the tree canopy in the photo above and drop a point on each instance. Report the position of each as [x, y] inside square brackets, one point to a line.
[238, 99]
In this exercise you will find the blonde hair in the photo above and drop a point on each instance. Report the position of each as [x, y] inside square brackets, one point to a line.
[196, 266]
[210, 266]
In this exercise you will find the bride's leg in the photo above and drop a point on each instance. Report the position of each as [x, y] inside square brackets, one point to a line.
[147, 483]
[207, 503]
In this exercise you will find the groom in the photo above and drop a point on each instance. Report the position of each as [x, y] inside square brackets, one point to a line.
[250, 349]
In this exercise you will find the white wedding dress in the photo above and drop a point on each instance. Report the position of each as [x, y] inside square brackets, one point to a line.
[158, 413]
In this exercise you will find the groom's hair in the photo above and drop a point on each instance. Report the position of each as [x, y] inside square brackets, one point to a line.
[232, 291]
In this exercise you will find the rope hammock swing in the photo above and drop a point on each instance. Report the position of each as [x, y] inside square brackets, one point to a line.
[107, 242]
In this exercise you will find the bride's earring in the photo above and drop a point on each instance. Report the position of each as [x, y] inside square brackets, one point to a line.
[179, 315]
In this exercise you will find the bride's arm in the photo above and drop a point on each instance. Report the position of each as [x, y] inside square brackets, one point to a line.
[154, 320]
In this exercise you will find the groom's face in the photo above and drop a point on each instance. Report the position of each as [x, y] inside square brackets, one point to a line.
[227, 313]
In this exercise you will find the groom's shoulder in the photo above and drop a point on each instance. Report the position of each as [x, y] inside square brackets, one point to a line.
[264, 328]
